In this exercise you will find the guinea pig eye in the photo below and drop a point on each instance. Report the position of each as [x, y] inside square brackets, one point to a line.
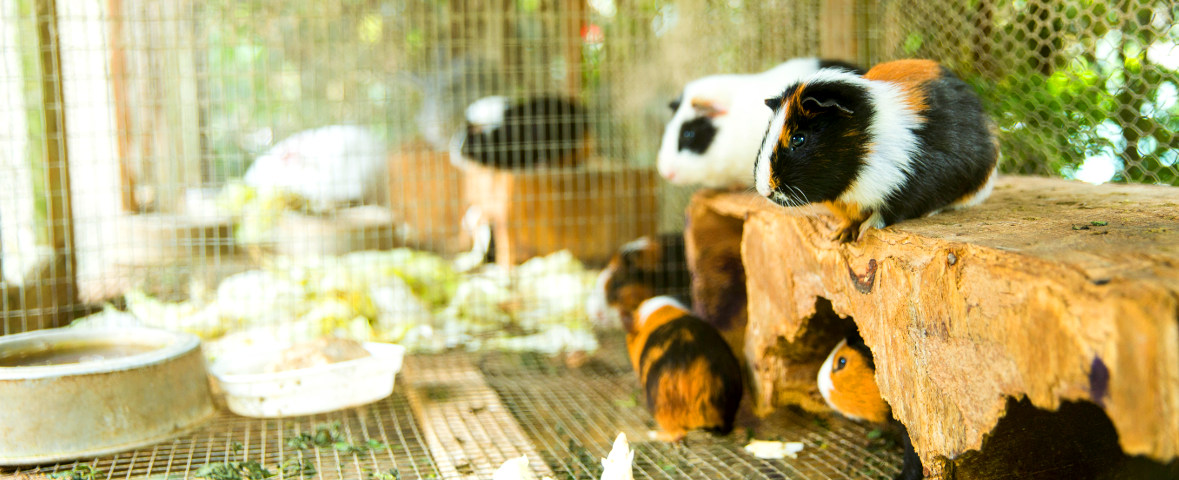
[840, 363]
[797, 140]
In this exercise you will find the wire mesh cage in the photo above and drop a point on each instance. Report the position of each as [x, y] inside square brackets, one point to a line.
[299, 166]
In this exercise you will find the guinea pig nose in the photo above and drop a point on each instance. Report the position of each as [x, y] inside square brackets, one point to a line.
[669, 175]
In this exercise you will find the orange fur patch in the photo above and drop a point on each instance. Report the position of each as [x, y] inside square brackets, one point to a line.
[910, 75]
[855, 393]
[636, 340]
[631, 296]
[847, 213]
[682, 403]
[794, 103]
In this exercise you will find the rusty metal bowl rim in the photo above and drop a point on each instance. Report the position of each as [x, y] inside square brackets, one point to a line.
[172, 345]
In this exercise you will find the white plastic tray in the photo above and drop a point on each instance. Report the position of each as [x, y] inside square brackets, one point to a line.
[324, 388]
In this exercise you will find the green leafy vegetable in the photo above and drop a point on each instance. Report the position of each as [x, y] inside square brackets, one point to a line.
[79, 472]
[248, 470]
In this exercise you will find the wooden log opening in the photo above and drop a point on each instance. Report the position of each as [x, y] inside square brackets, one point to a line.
[1050, 291]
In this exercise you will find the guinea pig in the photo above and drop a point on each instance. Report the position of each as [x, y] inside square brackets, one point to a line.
[847, 381]
[906, 139]
[690, 377]
[712, 137]
[329, 167]
[643, 268]
[539, 131]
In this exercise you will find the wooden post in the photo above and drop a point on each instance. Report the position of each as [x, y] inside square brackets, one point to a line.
[60, 212]
[118, 65]
[161, 119]
[838, 37]
[572, 15]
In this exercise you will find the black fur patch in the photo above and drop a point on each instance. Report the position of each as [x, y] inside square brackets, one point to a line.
[696, 135]
[679, 355]
[725, 298]
[675, 104]
[856, 342]
[956, 155]
[834, 142]
[538, 131]
[911, 469]
[825, 63]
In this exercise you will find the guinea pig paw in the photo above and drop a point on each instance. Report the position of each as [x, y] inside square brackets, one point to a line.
[846, 234]
[676, 437]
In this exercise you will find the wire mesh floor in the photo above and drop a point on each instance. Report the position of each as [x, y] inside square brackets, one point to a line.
[461, 415]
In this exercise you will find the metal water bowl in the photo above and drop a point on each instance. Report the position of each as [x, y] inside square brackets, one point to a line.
[72, 393]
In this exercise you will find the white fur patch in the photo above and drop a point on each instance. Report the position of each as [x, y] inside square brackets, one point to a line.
[876, 220]
[762, 170]
[892, 143]
[638, 244]
[596, 306]
[826, 385]
[652, 305]
[487, 111]
[731, 157]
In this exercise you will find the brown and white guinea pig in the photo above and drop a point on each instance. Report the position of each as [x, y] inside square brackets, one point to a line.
[689, 375]
[543, 131]
[718, 120]
[906, 139]
[847, 381]
[641, 269]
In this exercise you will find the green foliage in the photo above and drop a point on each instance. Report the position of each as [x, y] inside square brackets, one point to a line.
[79, 472]
[281, 67]
[1086, 91]
[30, 65]
[248, 470]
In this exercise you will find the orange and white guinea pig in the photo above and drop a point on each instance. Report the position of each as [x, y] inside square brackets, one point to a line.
[689, 374]
[847, 381]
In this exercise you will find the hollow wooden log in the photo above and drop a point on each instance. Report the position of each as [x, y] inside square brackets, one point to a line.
[1050, 291]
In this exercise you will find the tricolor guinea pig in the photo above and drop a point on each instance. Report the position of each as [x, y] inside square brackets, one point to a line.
[717, 123]
[688, 373]
[847, 381]
[906, 139]
[539, 131]
[643, 268]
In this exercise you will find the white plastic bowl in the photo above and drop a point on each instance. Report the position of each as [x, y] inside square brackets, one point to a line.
[306, 391]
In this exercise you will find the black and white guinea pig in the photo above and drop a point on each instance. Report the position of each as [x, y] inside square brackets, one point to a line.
[540, 131]
[690, 377]
[847, 381]
[641, 269]
[717, 124]
[906, 139]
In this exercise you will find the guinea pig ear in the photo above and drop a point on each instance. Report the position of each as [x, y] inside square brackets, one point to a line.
[774, 102]
[708, 108]
[815, 105]
[675, 104]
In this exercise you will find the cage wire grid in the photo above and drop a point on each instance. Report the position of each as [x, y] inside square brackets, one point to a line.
[125, 126]
[230, 438]
[569, 416]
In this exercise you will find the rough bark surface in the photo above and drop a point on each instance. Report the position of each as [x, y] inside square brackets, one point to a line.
[1050, 291]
